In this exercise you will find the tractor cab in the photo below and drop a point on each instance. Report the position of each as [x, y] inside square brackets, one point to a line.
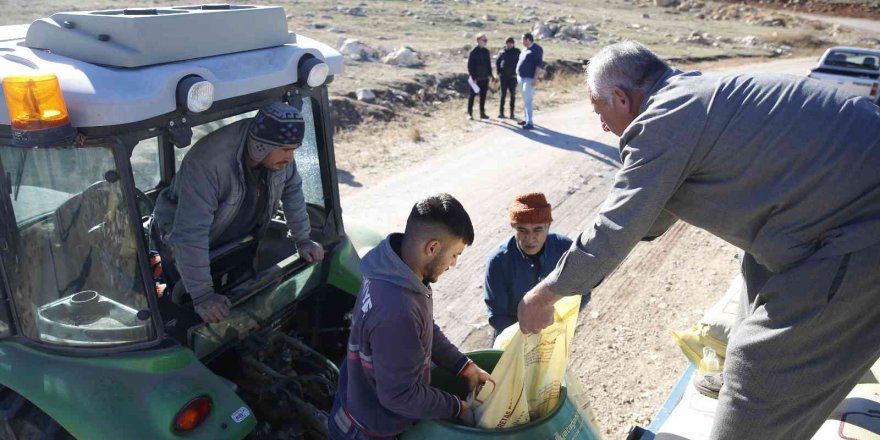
[98, 111]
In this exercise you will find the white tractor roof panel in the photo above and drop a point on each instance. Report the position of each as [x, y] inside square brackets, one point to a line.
[146, 36]
[103, 96]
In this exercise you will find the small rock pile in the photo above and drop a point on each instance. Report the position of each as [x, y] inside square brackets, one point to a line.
[357, 11]
[357, 50]
[404, 57]
[560, 29]
[699, 38]
[748, 14]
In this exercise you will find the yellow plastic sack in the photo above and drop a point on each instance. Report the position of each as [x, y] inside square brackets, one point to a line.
[713, 330]
[526, 382]
[693, 340]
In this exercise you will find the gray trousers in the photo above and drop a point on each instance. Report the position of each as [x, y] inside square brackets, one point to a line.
[806, 337]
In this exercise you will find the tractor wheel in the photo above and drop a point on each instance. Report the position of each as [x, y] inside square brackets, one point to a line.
[22, 420]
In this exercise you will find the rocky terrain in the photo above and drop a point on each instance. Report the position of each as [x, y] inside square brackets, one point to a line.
[847, 8]
[404, 58]
[399, 106]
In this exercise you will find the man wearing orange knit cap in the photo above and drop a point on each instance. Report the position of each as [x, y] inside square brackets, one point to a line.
[524, 259]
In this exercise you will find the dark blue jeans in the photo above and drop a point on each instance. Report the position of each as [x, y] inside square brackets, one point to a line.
[340, 427]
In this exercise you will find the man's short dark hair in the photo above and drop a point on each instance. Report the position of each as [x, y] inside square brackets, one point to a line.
[444, 211]
[510, 40]
[528, 36]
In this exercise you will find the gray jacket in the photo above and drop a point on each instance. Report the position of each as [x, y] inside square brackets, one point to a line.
[208, 189]
[779, 166]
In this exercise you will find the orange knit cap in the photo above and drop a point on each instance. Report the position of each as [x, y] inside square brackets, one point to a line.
[530, 208]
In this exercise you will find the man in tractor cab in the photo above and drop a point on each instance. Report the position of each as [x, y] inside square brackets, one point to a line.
[228, 187]
[385, 381]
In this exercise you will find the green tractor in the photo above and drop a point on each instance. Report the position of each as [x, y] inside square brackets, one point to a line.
[98, 110]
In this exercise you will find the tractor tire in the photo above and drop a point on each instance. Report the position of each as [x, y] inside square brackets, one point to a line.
[22, 420]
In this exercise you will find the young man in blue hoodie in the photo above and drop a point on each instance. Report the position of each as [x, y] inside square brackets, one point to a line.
[385, 381]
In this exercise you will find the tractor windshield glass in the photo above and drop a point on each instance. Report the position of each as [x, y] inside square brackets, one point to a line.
[72, 260]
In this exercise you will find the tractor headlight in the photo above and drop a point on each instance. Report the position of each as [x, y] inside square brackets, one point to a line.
[313, 72]
[195, 93]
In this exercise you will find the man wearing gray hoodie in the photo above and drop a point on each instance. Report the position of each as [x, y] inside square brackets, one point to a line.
[385, 380]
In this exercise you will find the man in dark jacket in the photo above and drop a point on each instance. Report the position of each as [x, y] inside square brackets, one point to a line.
[523, 260]
[228, 187]
[506, 68]
[530, 61]
[479, 70]
[385, 381]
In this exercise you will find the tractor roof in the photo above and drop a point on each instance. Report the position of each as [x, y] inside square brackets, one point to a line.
[123, 66]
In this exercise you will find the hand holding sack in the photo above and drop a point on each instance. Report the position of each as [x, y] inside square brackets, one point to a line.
[525, 384]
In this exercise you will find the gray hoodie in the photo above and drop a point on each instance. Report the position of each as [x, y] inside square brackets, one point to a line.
[385, 381]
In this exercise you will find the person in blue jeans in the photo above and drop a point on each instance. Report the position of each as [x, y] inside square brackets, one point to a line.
[385, 380]
[523, 260]
[530, 60]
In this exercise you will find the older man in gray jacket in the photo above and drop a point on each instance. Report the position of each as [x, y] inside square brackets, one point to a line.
[786, 169]
[228, 187]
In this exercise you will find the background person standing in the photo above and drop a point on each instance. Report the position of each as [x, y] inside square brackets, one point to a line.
[505, 66]
[530, 60]
[480, 70]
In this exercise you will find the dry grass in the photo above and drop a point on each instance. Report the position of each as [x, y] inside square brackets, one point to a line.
[566, 80]
[415, 135]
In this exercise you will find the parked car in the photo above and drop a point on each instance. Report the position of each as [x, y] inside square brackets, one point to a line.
[852, 69]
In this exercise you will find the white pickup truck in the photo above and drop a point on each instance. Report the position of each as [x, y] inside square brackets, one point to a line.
[852, 69]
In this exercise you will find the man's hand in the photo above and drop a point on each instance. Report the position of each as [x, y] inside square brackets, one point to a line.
[474, 376]
[310, 251]
[213, 307]
[535, 311]
[466, 415]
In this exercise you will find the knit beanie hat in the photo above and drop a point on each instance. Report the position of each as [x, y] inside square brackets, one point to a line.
[530, 208]
[275, 125]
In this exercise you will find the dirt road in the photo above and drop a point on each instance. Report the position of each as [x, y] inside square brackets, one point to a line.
[623, 353]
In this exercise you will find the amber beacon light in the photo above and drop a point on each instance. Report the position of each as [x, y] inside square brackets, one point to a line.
[37, 112]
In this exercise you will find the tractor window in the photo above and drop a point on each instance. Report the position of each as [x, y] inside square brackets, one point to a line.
[145, 164]
[306, 156]
[72, 259]
[201, 131]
